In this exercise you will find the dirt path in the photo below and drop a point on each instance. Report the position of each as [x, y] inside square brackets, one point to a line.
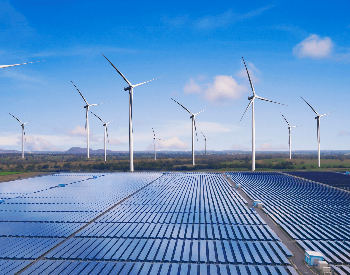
[298, 259]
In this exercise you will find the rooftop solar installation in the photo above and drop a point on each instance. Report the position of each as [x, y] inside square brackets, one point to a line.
[313, 214]
[140, 223]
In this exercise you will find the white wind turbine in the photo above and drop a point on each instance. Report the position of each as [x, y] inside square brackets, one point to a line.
[87, 118]
[106, 133]
[318, 131]
[205, 142]
[23, 133]
[130, 88]
[154, 139]
[290, 137]
[5, 66]
[252, 98]
[193, 117]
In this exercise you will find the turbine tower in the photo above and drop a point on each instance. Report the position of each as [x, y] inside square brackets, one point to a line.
[106, 133]
[290, 137]
[23, 133]
[193, 117]
[205, 142]
[251, 102]
[130, 88]
[87, 119]
[318, 131]
[5, 66]
[154, 139]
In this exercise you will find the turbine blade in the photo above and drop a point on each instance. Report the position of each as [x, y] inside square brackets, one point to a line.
[5, 66]
[309, 105]
[97, 117]
[246, 110]
[261, 98]
[203, 134]
[113, 120]
[145, 82]
[80, 93]
[285, 119]
[127, 81]
[250, 81]
[202, 110]
[16, 118]
[182, 106]
[96, 104]
[329, 113]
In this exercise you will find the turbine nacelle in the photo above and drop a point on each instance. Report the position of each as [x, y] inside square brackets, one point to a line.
[250, 97]
[127, 88]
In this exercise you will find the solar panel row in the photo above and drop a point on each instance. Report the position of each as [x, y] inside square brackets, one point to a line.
[340, 180]
[180, 224]
[313, 214]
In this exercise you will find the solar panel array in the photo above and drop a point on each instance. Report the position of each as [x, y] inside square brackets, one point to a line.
[37, 214]
[341, 270]
[336, 179]
[315, 215]
[179, 224]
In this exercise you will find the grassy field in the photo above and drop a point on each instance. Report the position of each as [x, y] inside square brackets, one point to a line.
[9, 173]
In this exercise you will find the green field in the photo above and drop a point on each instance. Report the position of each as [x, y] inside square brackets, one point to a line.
[9, 173]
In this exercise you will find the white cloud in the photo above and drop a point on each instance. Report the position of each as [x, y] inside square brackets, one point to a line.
[115, 142]
[212, 22]
[172, 143]
[77, 132]
[224, 87]
[252, 73]
[314, 47]
[32, 143]
[268, 147]
[192, 87]
[211, 127]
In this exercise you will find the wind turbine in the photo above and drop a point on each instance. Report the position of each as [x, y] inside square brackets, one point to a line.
[106, 133]
[130, 88]
[87, 118]
[23, 133]
[290, 137]
[5, 66]
[154, 139]
[205, 140]
[252, 98]
[318, 131]
[193, 117]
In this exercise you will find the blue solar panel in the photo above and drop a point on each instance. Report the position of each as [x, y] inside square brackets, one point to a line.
[175, 222]
[314, 214]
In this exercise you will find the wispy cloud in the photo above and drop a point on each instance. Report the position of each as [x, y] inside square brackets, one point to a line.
[192, 87]
[221, 89]
[11, 22]
[173, 143]
[39, 144]
[211, 22]
[268, 147]
[343, 133]
[314, 47]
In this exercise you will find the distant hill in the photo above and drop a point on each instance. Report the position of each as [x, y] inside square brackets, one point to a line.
[78, 150]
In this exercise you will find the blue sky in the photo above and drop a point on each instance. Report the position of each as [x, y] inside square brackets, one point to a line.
[291, 49]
